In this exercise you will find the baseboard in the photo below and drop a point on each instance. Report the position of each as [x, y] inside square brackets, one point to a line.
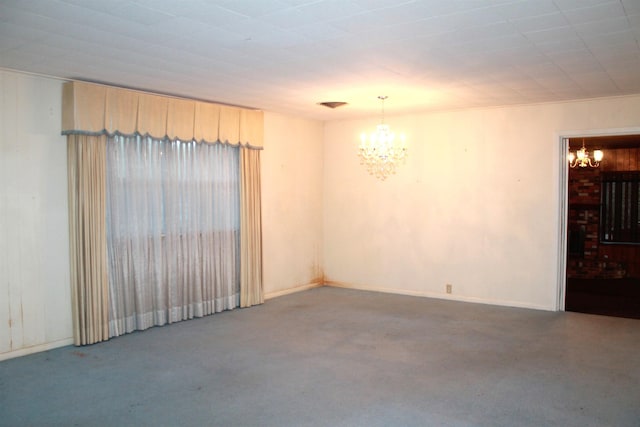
[35, 349]
[301, 288]
[503, 303]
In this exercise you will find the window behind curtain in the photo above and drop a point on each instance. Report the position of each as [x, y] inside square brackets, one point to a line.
[620, 207]
[172, 230]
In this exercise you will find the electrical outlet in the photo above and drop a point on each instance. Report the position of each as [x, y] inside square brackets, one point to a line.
[449, 288]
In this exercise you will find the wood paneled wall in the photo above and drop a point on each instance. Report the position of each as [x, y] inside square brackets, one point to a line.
[621, 159]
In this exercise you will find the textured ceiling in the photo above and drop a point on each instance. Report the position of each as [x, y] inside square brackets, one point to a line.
[288, 55]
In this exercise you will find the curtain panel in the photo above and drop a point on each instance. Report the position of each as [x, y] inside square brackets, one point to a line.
[92, 111]
[251, 289]
[86, 159]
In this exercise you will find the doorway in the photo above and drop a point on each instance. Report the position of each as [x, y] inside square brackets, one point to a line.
[602, 269]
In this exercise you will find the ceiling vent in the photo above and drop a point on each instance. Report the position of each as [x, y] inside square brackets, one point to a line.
[334, 104]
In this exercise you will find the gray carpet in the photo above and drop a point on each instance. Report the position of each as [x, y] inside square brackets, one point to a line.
[336, 357]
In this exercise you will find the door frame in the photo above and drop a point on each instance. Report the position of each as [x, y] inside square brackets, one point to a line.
[563, 211]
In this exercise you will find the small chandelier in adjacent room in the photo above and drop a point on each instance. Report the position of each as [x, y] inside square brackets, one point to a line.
[582, 159]
[380, 151]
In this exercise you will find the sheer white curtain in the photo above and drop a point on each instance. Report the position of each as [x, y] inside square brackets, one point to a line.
[172, 231]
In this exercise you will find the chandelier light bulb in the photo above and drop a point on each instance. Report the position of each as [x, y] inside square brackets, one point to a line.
[598, 155]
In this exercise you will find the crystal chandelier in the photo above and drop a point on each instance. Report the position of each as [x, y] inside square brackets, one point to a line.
[379, 152]
[581, 158]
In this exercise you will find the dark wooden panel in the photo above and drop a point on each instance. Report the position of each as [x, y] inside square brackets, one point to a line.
[622, 159]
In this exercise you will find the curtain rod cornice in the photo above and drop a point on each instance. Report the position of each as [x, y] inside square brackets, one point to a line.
[98, 108]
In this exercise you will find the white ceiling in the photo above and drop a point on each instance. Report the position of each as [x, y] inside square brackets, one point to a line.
[288, 55]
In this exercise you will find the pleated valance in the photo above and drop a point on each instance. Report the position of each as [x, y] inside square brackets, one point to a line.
[94, 109]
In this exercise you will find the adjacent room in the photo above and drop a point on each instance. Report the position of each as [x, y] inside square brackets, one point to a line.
[319, 212]
[603, 255]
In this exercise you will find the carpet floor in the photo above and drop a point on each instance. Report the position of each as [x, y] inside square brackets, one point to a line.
[338, 357]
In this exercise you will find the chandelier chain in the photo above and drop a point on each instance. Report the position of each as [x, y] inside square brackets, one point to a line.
[382, 98]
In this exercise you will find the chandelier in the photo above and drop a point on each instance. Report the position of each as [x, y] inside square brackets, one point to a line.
[581, 158]
[379, 152]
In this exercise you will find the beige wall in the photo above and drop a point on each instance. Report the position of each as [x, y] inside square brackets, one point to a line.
[467, 208]
[292, 203]
[35, 305]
